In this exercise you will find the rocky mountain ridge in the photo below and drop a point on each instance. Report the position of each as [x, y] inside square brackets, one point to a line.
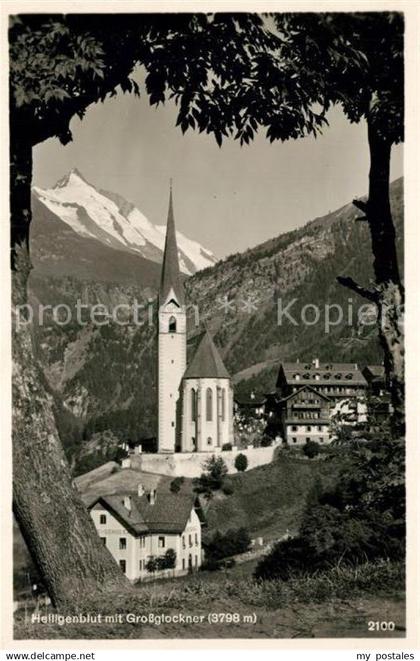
[104, 377]
[107, 221]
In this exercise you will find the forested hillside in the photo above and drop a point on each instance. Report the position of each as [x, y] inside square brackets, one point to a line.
[103, 377]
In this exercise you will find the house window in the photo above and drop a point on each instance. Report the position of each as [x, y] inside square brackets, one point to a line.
[319, 428]
[209, 440]
[294, 428]
[196, 539]
[196, 560]
[308, 428]
[102, 519]
[172, 325]
[103, 540]
[193, 405]
[190, 540]
[161, 542]
[141, 562]
[183, 542]
[183, 563]
[209, 404]
[321, 440]
[123, 543]
[307, 439]
[172, 423]
[294, 440]
[142, 542]
[123, 566]
[223, 397]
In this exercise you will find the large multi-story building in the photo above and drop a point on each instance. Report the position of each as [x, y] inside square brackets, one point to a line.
[139, 527]
[195, 402]
[305, 416]
[309, 394]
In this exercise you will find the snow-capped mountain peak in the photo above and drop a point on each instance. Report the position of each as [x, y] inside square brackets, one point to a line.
[113, 221]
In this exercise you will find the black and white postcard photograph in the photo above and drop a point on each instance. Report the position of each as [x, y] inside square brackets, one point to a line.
[208, 238]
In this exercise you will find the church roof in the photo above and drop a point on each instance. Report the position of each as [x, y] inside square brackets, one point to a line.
[206, 361]
[170, 278]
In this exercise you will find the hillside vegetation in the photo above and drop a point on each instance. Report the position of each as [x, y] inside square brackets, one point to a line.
[269, 500]
[105, 376]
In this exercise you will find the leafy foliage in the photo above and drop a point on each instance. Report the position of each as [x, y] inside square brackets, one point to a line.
[311, 449]
[241, 463]
[176, 484]
[212, 478]
[220, 545]
[161, 562]
[229, 73]
[361, 518]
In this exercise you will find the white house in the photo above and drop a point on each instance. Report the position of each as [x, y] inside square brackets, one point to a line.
[138, 527]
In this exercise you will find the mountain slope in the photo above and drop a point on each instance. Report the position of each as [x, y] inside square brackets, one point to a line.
[106, 375]
[113, 222]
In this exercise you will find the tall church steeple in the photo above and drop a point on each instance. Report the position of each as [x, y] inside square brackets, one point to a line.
[172, 340]
[170, 282]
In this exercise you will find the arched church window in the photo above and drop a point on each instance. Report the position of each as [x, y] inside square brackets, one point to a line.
[209, 405]
[223, 395]
[172, 325]
[193, 405]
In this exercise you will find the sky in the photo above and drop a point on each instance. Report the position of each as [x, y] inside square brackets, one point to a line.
[229, 198]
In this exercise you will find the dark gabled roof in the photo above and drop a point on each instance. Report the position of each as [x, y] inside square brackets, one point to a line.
[206, 361]
[169, 514]
[328, 374]
[249, 401]
[306, 387]
[170, 278]
[374, 372]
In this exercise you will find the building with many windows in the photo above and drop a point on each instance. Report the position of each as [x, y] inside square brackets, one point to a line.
[305, 416]
[343, 383]
[309, 394]
[140, 527]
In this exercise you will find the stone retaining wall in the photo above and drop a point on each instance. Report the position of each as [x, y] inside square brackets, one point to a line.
[190, 464]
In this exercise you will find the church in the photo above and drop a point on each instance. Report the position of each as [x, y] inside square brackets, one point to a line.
[195, 401]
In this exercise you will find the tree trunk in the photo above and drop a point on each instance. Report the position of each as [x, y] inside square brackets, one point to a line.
[56, 526]
[390, 292]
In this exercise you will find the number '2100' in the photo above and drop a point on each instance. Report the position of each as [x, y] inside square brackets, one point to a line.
[381, 626]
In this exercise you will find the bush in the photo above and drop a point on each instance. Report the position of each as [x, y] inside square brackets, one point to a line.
[225, 545]
[166, 561]
[311, 449]
[266, 441]
[241, 463]
[176, 484]
[210, 564]
[228, 489]
[362, 518]
[212, 479]
[226, 447]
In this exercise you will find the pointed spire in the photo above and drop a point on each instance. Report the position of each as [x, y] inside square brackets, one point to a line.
[207, 361]
[170, 278]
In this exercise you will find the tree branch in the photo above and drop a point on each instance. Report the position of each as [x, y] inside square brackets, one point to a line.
[362, 206]
[362, 291]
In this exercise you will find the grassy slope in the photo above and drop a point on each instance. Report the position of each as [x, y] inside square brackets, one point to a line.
[269, 500]
[338, 603]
